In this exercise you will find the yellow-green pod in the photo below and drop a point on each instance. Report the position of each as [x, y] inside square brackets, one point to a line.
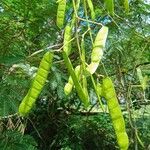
[83, 97]
[61, 13]
[37, 84]
[126, 5]
[143, 80]
[112, 104]
[97, 51]
[91, 7]
[110, 94]
[123, 140]
[120, 126]
[115, 113]
[68, 87]
[99, 89]
[84, 81]
[109, 4]
[67, 38]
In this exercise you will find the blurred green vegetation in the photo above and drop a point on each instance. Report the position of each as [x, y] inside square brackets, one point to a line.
[58, 121]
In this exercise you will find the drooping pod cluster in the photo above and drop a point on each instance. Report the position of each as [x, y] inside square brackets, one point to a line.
[70, 84]
[61, 13]
[96, 56]
[108, 91]
[75, 80]
[97, 51]
[37, 84]
[67, 48]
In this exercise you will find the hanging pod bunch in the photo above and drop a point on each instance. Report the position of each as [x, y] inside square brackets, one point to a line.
[91, 7]
[37, 84]
[83, 97]
[97, 51]
[115, 112]
[61, 13]
[81, 77]
[67, 48]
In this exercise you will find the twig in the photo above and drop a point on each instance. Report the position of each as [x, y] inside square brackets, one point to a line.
[100, 24]
[9, 116]
[41, 50]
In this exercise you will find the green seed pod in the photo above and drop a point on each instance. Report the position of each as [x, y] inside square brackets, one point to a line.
[99, 89]
[97, 51]
[83, 97]
[143, 80]
[126, 5]
[115, 112]
[123, 140]
[90, 5]
[68, 87]
[61, 13]
[84, 81]
[37, 84]
[109, 4]
[67, 38]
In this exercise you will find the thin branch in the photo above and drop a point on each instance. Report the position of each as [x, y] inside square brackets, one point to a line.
[100, 24]
[42, 50]
[9, 116]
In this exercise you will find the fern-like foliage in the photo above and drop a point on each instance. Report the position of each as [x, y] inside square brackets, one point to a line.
[13, 140]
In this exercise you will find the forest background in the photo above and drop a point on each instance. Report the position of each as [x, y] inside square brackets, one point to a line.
[28, 30]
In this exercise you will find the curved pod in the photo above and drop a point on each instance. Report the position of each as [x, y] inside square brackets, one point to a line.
[67, 38]
[37, 84]
[68, 87]
[61, 13]
[126, 5]
[78, 86]
[115, 113]
[91, 7]
[97, 51]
